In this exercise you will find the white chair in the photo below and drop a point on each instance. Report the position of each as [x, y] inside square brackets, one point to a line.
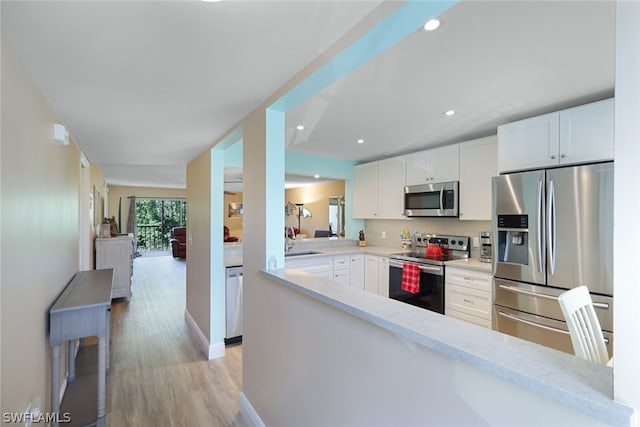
[584, 327]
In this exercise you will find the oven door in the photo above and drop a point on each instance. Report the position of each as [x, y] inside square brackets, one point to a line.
[431, 295]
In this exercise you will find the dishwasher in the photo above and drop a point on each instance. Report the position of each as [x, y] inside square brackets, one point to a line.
[233, 305]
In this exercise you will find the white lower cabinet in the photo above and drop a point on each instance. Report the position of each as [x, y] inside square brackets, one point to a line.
[468, 295]
[341, 269]
[356, 271]
[371, 273]
[376, 275]
[383, 276]
[321, 266]
[116, 253]
[368, 272]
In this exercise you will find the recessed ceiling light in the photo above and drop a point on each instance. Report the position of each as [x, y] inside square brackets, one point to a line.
[449, 113]
[300, 127]
[316, 176]
[360, 141]
[431, 25]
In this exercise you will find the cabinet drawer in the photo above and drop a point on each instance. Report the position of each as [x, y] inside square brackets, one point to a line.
[468, 278]
[469, 318]
[468, 300]
[311, 265]
[341, 261]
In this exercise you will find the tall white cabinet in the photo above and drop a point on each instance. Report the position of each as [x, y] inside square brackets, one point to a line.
[116, 253]
[478, 163]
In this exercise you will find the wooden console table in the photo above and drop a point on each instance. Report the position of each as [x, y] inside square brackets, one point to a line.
[83, 310]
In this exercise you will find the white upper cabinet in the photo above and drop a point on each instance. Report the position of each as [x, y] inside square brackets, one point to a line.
[528, 144]
[478, 164]
[587, 132]
[435, 165]
[365, 190]
[378, 190]
[575, 135]
[391, 182]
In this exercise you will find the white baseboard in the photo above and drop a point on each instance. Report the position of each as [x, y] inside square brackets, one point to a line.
[211, 351]
[249, 414]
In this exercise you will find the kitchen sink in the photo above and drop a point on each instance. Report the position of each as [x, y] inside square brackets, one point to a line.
[301, 253]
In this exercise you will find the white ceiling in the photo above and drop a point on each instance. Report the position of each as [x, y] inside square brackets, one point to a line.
[490, 61]
[144, 87]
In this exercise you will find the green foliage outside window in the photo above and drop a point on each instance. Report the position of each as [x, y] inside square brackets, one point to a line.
[155, 219]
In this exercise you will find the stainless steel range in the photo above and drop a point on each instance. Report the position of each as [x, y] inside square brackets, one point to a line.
[429, 252]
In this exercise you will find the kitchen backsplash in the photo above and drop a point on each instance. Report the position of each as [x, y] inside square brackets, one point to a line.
[392, 228]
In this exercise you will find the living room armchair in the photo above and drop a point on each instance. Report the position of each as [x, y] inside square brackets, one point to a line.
[179, 242]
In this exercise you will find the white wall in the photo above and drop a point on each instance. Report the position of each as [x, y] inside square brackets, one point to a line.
[40, 185]
[627, 205]
[320, 366]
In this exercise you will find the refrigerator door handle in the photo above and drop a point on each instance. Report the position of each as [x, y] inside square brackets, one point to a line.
[539, 237]
[551, 227]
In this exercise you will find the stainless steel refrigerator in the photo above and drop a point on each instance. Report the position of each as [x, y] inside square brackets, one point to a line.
[553, 231]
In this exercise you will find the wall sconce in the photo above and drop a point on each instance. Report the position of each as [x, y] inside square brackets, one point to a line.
[60, 134]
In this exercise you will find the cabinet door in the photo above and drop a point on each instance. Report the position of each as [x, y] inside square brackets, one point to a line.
[318, 266]
[478, 163]
[356, 272]
[528, 144]
[391, 182]
[435, 165]
[371, 271]
[116, 253]
[365, 190]
[587, 133]
[445, 163]
[383, 276]
[341, 276]
[418, 168]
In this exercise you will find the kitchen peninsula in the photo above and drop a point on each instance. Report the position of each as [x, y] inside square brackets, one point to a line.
[462, 369]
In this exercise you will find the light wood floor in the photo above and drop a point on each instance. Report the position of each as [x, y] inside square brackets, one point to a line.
[158, 377]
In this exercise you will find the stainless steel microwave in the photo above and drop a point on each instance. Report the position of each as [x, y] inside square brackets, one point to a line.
[437, 199]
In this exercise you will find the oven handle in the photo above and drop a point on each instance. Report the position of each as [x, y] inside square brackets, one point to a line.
[601, 305]
[426, 268]
[538, 325]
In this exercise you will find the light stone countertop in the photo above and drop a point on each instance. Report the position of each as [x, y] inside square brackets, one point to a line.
[232, 259]
[576, 383]
[472, 264]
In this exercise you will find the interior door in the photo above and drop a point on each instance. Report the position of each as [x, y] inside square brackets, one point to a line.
[580, 227]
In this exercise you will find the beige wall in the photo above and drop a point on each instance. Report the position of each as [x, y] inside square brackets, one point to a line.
[40, 193]
[235, 223]
[315, 198]
[119, 194]
[198, 241]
